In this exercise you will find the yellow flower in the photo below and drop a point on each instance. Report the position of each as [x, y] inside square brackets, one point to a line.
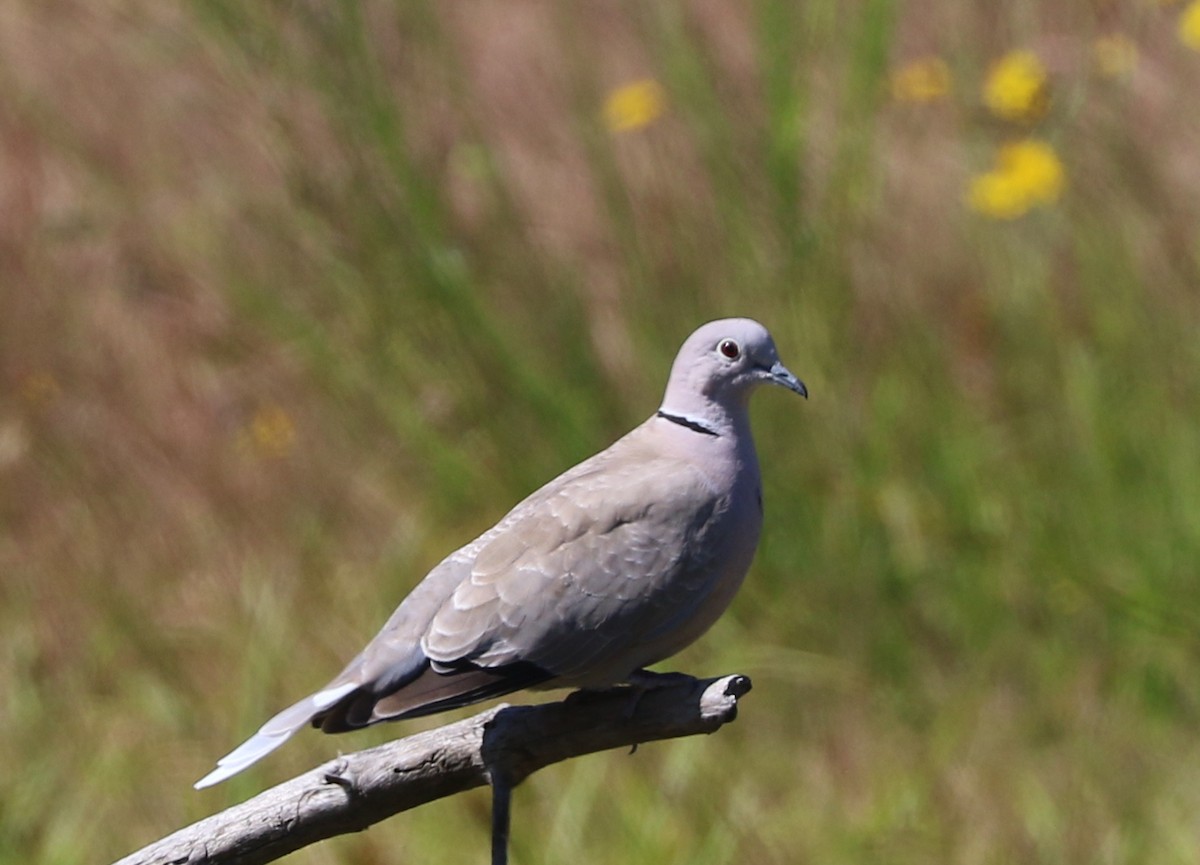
[1115, 56]
[1016, 87]
[40, 388]
[271, 432]
[1027, 173]
[635, 105]
[1189, 25]
[925, 79]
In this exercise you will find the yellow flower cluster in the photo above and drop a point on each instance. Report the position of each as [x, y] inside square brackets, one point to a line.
[635, 105]
[1016, 87]
[1027, 174]
[1189, 25]
[925, 79]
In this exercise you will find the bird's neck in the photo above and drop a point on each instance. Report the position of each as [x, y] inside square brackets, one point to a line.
[707, 417]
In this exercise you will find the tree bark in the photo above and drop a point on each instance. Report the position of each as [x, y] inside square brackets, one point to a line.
[353, 792]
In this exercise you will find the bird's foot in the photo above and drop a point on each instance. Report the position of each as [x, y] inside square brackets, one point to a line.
[643, 681]
[648, 680]
[637, 685]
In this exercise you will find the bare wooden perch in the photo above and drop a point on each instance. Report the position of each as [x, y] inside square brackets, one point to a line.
[506, 743]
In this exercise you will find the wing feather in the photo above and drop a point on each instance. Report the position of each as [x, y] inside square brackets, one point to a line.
[580, 584]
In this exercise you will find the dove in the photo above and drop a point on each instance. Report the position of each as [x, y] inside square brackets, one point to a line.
[613, 566]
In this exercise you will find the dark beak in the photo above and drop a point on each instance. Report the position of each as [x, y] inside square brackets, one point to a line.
[781, 375]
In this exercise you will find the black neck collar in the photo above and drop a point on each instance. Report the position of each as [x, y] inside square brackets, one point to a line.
[691, 423]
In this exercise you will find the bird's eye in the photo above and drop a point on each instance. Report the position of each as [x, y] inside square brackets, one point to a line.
[729, 348]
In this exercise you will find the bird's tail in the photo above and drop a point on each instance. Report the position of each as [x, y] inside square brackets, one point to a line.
[275, 732]
[405, 690]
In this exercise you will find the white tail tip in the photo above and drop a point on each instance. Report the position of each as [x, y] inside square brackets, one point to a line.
[273, 734]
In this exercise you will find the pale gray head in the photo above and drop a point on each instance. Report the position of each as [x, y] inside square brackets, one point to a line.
[719, 365]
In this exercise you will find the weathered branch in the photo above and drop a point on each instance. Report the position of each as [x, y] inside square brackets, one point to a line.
[352, 792]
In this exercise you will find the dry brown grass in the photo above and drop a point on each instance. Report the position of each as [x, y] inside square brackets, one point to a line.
[295, 297]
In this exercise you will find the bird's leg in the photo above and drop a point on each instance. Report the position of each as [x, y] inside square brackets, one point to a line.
[501, 817]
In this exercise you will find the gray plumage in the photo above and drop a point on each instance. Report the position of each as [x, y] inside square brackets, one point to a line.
[613, 566]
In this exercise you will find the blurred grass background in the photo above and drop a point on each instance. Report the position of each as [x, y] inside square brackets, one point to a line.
[299, 296]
